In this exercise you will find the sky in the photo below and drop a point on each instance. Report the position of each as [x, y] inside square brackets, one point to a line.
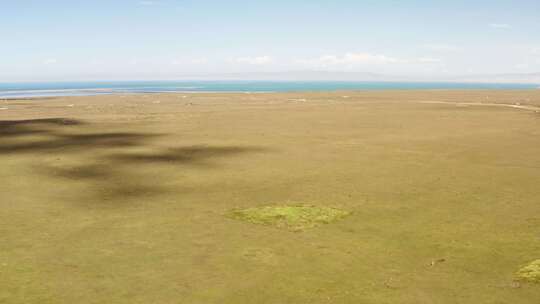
[53, 40]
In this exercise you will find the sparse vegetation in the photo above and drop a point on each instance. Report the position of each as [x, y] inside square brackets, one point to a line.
[294, 218]
[530, 273]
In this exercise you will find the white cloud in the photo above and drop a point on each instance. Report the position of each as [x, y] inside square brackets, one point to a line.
[194, 61]
[428, 60]
[442, 47]
[352, 61]
[349, 59]
[148, 2]
[95, 62]
[50, 61]
[500, 25]
[199, 61]
[261, 60]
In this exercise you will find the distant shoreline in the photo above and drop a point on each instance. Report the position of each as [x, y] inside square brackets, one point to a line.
[63, 89]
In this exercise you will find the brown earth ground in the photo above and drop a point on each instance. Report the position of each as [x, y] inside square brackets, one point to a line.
[123, 199]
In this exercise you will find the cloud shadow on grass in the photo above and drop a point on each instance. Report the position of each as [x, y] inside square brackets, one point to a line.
[199, 154]
[33, 126]
[110, 176]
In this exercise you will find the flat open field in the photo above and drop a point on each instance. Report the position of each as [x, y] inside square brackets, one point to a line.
[124, 199]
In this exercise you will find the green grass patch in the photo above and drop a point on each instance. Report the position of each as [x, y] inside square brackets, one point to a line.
[530, 273]
[293, 218]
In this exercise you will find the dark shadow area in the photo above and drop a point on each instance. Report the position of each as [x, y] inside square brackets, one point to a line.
[48, 121]
[185, 155]
[33, 126]
[115, 176]
[54, 136]
[107, 183]
[109, 178]
[132, 191]
[76, 142]
[84, 172]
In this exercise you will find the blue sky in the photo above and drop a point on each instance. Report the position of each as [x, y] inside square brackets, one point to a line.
[166, 39]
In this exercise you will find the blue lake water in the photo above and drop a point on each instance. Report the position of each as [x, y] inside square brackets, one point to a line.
[52, 89]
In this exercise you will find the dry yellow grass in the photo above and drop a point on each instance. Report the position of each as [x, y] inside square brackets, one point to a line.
[122, 199]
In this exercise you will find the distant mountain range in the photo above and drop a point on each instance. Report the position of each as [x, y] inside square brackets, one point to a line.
[313, 75]
[503, 78]
[533, 78]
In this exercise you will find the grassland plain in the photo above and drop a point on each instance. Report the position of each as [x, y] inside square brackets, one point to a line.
[124, 199]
